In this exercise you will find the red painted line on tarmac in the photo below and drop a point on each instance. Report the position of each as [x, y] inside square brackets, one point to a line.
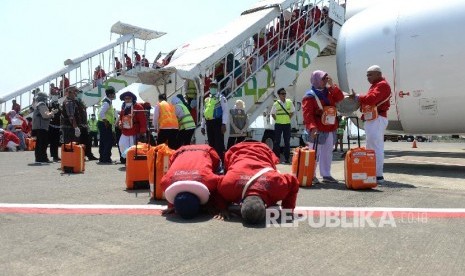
[79, 211]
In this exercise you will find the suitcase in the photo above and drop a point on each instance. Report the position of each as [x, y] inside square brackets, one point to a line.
[303, 165]
[137, 173]
[72, 158]
[360, 167]
[158, 159]
[30, 144]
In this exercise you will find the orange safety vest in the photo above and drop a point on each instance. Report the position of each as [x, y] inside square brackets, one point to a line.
[167, 118]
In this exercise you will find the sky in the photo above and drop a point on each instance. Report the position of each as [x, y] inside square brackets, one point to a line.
[39, 35]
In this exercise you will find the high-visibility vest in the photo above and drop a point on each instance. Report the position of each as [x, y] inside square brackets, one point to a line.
[191, 90]
[186, 121]
[212, 109]
[281, 116]
[167, 118]
[109, 114]
[92, 125]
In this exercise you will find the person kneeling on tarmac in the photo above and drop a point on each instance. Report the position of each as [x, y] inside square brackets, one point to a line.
[190, 181]
[253, 181]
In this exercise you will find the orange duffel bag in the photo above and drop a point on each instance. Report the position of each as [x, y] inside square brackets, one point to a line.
[137, 174]
[158, 159]
[30, 144]
[72, 158]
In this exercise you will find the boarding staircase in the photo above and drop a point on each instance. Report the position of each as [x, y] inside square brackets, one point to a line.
[258, 82]
[80, 71]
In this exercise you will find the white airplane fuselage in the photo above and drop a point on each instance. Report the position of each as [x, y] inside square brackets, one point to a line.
[420, 47]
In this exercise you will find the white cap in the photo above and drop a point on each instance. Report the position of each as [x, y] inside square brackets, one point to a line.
[191, 186]
[374, 68]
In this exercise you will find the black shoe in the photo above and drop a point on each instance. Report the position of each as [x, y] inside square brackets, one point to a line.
[379, 180]
[56, 159]
[92, 158]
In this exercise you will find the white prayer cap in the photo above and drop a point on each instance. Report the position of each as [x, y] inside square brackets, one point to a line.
[374, 68]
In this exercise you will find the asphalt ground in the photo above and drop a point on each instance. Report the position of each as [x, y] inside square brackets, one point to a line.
[88, 224]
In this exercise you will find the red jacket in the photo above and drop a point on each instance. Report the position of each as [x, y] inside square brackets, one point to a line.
[377, 93]
[202, 170]
[312, 113]
[244, 160]
[139, 120]
[7, 137]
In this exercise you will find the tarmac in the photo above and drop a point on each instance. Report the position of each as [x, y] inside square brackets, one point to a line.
[89, 224]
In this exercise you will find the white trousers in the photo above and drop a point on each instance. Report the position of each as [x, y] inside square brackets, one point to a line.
[375, 140]
[126, 142]
[324, 156]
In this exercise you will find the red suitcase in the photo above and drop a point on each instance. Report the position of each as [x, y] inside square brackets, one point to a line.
[360, 167]
[137, 173]
[72, 158]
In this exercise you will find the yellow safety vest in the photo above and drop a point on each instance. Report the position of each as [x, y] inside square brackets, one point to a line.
[167, 118]
[212, 109]
[281, 115]
[109, 114]
[186, 121]
[92, 125]
[191, 90]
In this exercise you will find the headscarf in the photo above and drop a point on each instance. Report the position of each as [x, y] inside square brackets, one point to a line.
[317, 79]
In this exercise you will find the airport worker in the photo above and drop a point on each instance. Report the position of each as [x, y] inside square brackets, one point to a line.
[320, 116]
[238, 124]
[40, 125]
[185, 120]
[215, 119]
[54, 126]
[8, 140]
[84, 138]
[253, 181]
[188, 185]
[93, 130]
[105, 125]
[71, 116]
[377, 98]
[282, 111]
[166, 123]
[132, 122]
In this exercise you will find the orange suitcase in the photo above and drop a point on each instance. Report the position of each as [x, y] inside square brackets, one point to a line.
[303, 165]
[360, 169]
[137, 174]
[359, 166]
[72, 158]
[158, 159]
[30, 144]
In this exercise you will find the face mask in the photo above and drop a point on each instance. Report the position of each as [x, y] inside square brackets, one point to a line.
[128, 104]
[213, 91]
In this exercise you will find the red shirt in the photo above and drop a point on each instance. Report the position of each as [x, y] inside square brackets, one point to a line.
[312, 112]
[118, 65]
[128, 61]
[244, 160]
[139, 121]
[7, 137]
[202, 170]
[378, 92]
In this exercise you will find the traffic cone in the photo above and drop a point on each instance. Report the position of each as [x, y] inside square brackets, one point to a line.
[414, 145]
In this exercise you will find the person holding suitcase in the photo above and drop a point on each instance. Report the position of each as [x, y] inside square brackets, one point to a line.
[319, 114]
[375, 105]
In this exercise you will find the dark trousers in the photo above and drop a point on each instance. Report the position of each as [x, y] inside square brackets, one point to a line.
[41, 145]
[168, 136]
[215, 137]
[285, 131]
[235, 140]
[68, 135]
[54, 141]
[84, 139]
[106, 141]
[185, 136]
[93, 138]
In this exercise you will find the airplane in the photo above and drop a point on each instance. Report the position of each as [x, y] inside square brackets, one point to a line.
[419, 46]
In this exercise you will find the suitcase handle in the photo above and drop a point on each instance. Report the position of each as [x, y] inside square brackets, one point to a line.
[70, 149]
[315, 147]
[358, 132]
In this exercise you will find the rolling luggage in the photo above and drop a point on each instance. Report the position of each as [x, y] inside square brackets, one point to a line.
[158, 159]
[360, 167]
[303, 164]
[30, 144]
[137, 173]
[72, 158]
